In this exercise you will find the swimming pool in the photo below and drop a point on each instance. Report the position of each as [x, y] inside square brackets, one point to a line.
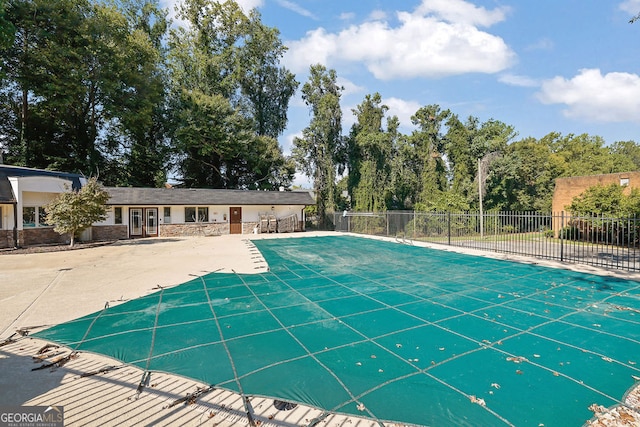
[388, 331]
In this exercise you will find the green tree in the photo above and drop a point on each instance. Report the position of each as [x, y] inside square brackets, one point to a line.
[523, 178]
[405, 172]
[225, 118]
[7, 31]
[370, 156]
[626, 155]
[266, 86]
[428, 143]
[320, 149]
[77, 75]
[74, 211]
[583, 154]
[137, 148]
[608, 200]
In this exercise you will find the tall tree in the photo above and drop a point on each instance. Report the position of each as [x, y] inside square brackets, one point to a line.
[370, 156]
[72, 79]
[319, 150]
[523, 178]
[583, 155]
[138, 149]
[266, 86]
[429, 144]
[225, 128]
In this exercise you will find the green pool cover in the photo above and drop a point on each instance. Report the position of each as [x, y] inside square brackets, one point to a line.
[388, 331]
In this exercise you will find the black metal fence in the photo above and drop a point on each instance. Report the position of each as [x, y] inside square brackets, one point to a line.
[595, 240]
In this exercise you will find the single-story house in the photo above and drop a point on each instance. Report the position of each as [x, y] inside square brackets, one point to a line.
[143, 212]
[165, 212]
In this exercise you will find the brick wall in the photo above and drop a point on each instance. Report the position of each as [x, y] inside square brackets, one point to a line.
[40, 236]
[568, 188]
[109, 232]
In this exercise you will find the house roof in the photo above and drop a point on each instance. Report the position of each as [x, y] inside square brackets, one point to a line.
[131, 196]
[7, 171]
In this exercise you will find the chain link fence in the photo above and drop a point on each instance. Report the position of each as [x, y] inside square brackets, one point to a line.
[602, 241]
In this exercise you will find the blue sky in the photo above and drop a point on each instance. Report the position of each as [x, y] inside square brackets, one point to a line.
[570, 66]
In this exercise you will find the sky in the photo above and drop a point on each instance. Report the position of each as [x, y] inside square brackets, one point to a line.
[541, 66]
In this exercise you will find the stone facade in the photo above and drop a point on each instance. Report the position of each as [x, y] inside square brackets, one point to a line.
[194, 229]
[6, 239]
[248, 227]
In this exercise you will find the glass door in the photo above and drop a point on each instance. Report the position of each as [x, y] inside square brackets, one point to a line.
[135, 223]
[151, 222]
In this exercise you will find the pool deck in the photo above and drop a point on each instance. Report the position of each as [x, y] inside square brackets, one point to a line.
[44, 289]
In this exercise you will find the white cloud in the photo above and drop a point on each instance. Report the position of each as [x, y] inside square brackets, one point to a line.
[613, 97]
[461, 11]
[630, 6]
[437, 39]
[541, 44]
[346, 16]
[378, 15]
[403, 109]
[349, 87]
[294, 7]
[515, 80]
[287, 142]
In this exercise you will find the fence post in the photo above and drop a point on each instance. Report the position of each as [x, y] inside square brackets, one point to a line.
[449, 228]
[562, 236]
[414, 225]
[386, 214]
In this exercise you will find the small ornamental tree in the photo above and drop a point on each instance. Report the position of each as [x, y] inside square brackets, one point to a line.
[74, 211]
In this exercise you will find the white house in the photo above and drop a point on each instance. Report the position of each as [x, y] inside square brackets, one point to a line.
[23, 194]
[143, 212]
[151, 212]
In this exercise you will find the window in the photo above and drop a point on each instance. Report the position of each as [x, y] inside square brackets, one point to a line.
[29, 216]
[202, 214]
[167, 215]
[34, 216]
[42, 217]
[190, 215]
[117, 214]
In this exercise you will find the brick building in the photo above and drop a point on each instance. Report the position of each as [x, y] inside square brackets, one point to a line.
[568, 188]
